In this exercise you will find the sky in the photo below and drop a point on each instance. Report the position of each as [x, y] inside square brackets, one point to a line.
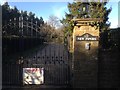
[47, 8]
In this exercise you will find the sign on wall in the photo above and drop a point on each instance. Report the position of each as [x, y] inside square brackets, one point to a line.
[86, 37]
[33, 75]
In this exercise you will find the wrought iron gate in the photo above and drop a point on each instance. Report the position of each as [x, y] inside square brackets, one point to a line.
[53, 58]
[55, 61]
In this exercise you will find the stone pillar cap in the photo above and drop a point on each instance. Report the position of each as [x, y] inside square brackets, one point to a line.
[88, 19]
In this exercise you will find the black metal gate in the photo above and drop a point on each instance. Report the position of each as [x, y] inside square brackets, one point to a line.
[11, 73]
[54, 58]
[55, 61]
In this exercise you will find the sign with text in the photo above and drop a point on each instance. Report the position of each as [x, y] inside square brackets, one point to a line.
[87, 37]
[33, 76]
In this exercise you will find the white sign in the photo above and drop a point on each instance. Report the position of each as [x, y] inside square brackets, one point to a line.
[33, 75]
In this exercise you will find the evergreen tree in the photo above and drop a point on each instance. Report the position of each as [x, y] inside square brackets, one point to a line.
[88, 9]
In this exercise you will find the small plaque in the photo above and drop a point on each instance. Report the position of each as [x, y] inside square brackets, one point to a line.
[87, 37]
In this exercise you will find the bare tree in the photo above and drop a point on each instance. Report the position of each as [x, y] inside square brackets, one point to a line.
[54, 21]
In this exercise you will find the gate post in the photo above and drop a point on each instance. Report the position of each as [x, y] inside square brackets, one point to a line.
[85, 48]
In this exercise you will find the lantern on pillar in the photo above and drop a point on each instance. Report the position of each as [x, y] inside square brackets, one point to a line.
[84, 9]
